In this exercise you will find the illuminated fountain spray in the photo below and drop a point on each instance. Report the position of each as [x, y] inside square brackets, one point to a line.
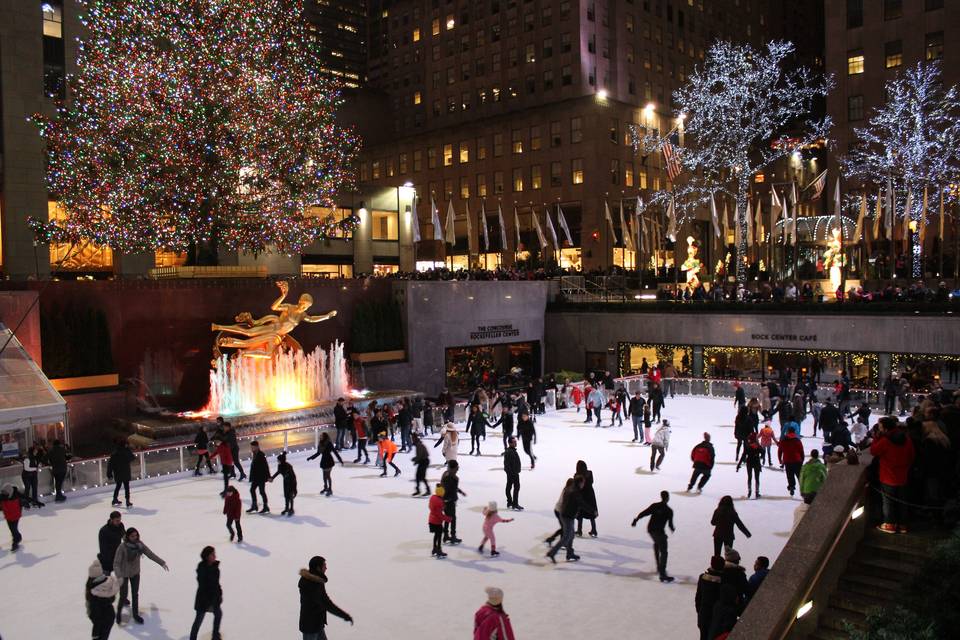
[291, 379]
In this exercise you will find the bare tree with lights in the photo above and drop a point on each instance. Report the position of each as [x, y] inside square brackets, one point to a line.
[193, 125]
[743, 110]
[911, 143]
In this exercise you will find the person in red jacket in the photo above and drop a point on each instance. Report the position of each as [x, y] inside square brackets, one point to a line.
[703, 457]
[790, 453]
[491, 622]
[226, 463]
[576, 395]
[895, 452]
[12, 511]
[232, 508]
[436, 519]
[387, 449]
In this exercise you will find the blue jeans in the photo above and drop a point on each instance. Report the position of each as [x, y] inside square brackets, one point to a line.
[637, 427]
[566, 537]
[894, 512]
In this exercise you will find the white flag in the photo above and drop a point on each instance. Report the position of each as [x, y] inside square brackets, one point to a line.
[516, 225]
[538, 229]
[483, 221]
[726, 223]
[503, 228]
[795, 209]
[713, 215]
[890, 201]
[863, 214]
[878, 214]
[466, 206]
[551, 229]
[563, 225]
[435, 220]
[451, 224]
[414, 220]
[624, 231]
[760, 231]
[671, 221]
[613, 232]
[775, 208]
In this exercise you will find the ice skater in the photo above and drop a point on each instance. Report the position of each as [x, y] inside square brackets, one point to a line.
[452, 492]
[703, 457]
[767, 438]
[437, 519]
[506, 422]
[100, 591]
[511, 466]
[12, 504]
[725, 517]
[222, 450]
[421, 458]
[126, 566]
[595, 402]
[588, 500]
[791, 455]
[450, 440]
[109, 538]
[567, 509]
[201, 443]
[233, 508]
[209, 593]
[491, 621]
[360, 428]
[259, 474]
[613, 404]
[327, 452]
[477, 427]
[752, 457]
[285, 469]
[387, 449]
[659, 445]
[528, 435]
[315, 604]
[118, 470]
[491, 517]
[635, 409]
[661, 516]
[656, 399]
[576, 396]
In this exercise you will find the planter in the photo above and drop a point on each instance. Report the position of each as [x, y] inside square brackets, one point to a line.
[86, 382]
[375, 357]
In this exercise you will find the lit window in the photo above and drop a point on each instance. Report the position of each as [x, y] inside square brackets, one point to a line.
[416, 97]
[435, 27]
[416, 35]
[464, 152]
[482, 185]
[576, 170]
[464, 188]
[376, 169]
[52, 20]
[447, 155]
[536, 178]
[628, 174]
[517, 180]
[516, 141]
[934, 46]
[854, 62]
[451, 23]
[893, 54]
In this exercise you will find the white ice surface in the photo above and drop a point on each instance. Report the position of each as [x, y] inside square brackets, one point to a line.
[375, 538]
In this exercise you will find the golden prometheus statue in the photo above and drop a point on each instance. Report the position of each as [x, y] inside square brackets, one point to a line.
[261, 337]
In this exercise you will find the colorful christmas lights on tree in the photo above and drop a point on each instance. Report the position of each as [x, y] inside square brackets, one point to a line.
[197, 122]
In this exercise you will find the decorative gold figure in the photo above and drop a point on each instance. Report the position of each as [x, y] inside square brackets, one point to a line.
[692, 264]
[262, 336]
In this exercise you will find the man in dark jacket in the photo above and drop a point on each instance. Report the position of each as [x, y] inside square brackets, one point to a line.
[636, 415]
[829, 419]
[259, 474]
[703, 457]
[452, 491]
[708, 593]
[230, 436]
[58, 458]
[421, 458]
[660, 517]
[314, 601]
[511, 465]
[736, 576]
[110, 537]
[341, 420]
[118, 469]
[209, 594]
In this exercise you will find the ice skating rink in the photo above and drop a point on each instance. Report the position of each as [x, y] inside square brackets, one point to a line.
[375, 538]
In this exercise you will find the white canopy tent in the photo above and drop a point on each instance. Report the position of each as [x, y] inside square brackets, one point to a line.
[27, 399]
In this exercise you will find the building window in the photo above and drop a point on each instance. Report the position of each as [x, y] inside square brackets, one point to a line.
[464, 152]
[417, 97]
[555, 140]
[54, 53]
[481, 149]
[52, 19]
[498, 182]
[548, 79]
[854, 62]
[855, 108]
[517, 180]
[547, 47]
[536, 178]
[516, 141]
[432, 158]
[391, 170]
[565, 44]
[892, 9]
[576, 171]
[403, 163]
[448, 189]
[495, 62]
[435, 27]
[416, 35]
[364, 172]
[497, 145]
[376, 169]
[530, 53]
[576, 130]
[451, 104]
[384, 225]
[464, 188]
[417, 160]
[482, 185]
[930, 5]
[448, 155]
[934, 46]
[614, 171]
[556, 174]
[893, 54]
[535, 138]
[628, 22]
[566, 76]
[628, 174]
[614, 130]
[451, 23]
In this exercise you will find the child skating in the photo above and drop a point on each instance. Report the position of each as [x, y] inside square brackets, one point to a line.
[490, 518]
[285, 469]
[232, 508]
[436, 519]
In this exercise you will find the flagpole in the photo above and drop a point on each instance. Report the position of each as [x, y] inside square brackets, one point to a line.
[843, 253]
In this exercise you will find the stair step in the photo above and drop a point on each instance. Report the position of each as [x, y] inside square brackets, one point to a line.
[908, 555]
[860, 602]
[917, 539]
[883, 567]
[838, 619]
[867, 584]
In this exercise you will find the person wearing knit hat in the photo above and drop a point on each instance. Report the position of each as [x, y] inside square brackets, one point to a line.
[491, 622]
[436, 520]
[100, 591]
[12, 511]
[126, 566]
[450, 440]
[490, 518]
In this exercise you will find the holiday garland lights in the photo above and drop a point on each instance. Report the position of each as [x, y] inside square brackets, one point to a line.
[196, 121]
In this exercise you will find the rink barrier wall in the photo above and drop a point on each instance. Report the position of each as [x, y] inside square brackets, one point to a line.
[809, 566]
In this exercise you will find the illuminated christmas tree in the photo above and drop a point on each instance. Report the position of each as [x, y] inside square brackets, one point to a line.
[194, 125]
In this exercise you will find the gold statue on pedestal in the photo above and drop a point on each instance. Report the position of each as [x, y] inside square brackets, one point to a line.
[692, 264]
[262, 337]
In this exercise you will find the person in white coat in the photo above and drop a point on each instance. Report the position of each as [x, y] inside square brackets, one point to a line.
[450, 440]
[659, 445]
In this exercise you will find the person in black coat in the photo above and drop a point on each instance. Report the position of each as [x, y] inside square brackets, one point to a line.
[259, 474]
[451, 486]
[314, 601]
[506, 422]
[327, 452]
[285, 469]
[110, 536]
[341, 420]
[421, 458]
[202, 443]
[708, 594]
[742, 428]
[209, 594]
[725, 517]
[588, 500]
[528, 435]
[661, 516]
[230, 437]
[57, 457]
[511, 466]
[405, 424]
[118, 470]
[656, 401]
[567, 509]
[477, 427]
[829, 419]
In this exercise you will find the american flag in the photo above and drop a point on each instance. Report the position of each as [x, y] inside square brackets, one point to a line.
[818, 185]
[671, 160]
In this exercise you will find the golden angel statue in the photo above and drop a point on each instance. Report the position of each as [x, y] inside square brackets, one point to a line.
[261, 337]
[692, 264]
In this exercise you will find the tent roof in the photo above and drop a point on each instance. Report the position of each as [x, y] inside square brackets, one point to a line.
[26, 395]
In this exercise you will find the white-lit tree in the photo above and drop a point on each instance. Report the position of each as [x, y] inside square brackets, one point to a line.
[912, 143]
[743, 110]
